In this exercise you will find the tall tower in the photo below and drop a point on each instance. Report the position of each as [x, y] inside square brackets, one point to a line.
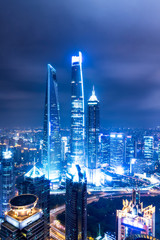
[35, 183]
[7, 182]
[51, 138]
[77, 112]
[76, 204]
[93, 125]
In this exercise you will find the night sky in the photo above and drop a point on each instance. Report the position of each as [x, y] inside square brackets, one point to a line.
[120, 43]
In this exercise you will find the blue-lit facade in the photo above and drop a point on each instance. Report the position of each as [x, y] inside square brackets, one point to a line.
[148, 147]
[93, 128]
[7, 182]
[77, 112]
[51, 138]
[105, 149]
[130, 149]
[76, 204]
[117, 149]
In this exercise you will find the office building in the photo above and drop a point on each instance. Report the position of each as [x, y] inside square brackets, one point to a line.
[34, 182]
[23, 220]
[134, 219]
[7, 182]
[148, 147]
[77, 112]
[130, 149]
[105, 149]
[76, 204]
[64, 147]
[93, 128]
[51, 138]
[117, 149]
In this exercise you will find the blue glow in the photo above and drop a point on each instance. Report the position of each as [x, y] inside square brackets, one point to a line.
[109, 178]
[112, 135]
[136, 224]
[119, 170]
[7, 155]
[34, 173]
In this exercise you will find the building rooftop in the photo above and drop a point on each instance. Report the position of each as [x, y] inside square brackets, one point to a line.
[24, 200]
[21, 218]
[93, 98]
[34, 173]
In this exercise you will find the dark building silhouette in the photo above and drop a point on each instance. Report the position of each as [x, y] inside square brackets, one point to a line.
[76, 204]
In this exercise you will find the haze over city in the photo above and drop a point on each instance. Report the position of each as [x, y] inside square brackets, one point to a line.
[119, 41]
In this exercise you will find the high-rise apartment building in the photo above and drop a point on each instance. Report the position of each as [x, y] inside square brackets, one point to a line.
[93, 128]
[134, 219]
[117, 149]
[51, 137]
[77, 112]
[34, 182]
[23, 220]
[76, 204]
[7, 181]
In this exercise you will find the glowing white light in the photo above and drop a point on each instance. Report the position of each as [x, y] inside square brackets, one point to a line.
[7, 155]
[73, 170]
[93, 98]
[112, 135]
[119, 136]
[34, 173]
[133, 160]
[77, 59]
[109, 178]
[128, 221]
[119, 170]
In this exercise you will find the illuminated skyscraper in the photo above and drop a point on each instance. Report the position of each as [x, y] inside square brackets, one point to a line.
[7, 182]
[105, 149]
[148, 147]
[34, 182]
[134, 219]
[130, 149]
[93, 125]
[117, 149]
[77, 112]
[76, 204]
[51, 138]
[23, 220]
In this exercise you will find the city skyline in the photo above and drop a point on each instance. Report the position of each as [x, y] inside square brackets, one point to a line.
[119, 59]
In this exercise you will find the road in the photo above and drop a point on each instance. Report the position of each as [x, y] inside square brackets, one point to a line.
[57, 233]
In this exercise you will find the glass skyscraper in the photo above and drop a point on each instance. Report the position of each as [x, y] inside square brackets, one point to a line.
[51, 138]
[77, 112]
[148, 147]
[93, 125]
[130, 149]
[7, 182]
[117, 149]
[76, 204]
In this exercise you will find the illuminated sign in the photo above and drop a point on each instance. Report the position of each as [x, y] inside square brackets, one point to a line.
[136, 224]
